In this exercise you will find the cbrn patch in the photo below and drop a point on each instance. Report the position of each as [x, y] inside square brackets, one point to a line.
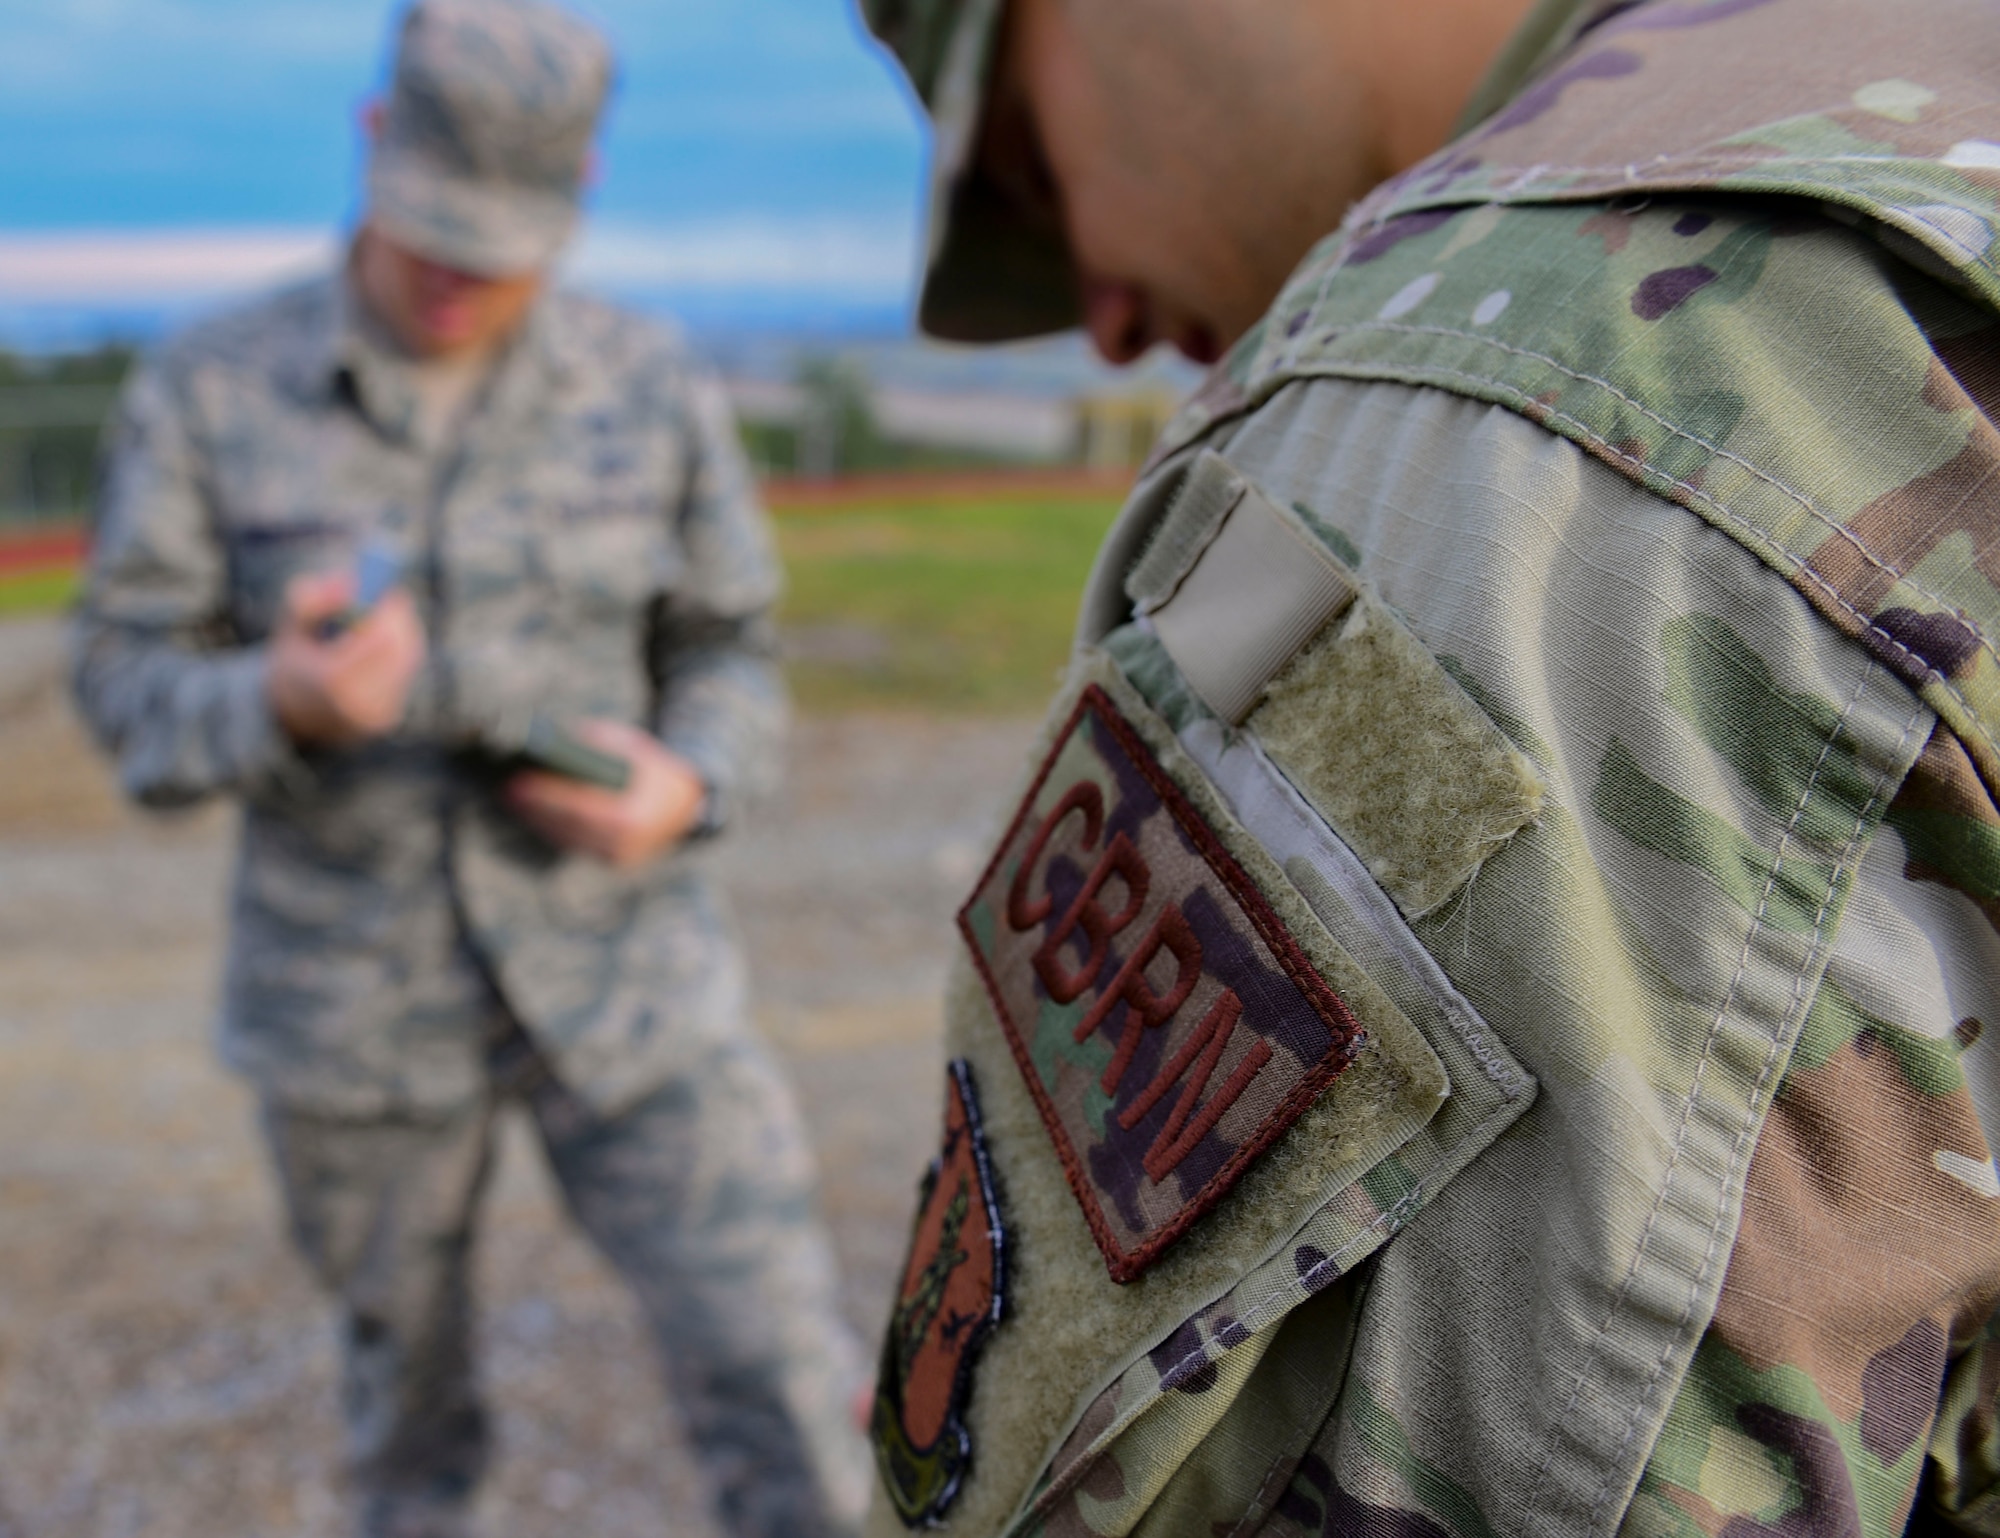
[953, 1293]
[1167, 1023]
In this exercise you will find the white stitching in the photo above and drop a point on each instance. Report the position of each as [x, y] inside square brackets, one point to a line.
[1335, 368]
[1284, 1468]
[1306, 1287]
[1459, 1015]
[1804, 502]
[1273, 1308]
[1694, 1095]
[1521, 181]
[1688, 1105]
[1739, 1150]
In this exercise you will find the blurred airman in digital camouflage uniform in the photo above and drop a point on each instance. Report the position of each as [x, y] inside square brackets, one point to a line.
[1480, 1018]
[443, 901]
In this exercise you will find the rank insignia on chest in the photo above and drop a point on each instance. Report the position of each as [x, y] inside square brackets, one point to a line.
[952, 1295]
[1168, 1025]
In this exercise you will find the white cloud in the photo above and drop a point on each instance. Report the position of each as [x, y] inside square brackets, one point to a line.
[82, 267]
[849, 259]
[844, 257]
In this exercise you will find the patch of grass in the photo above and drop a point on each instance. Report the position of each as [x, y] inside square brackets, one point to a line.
[38, 592]
[957, 604]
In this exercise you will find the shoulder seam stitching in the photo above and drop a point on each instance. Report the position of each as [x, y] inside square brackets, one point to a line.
[1693, 492]
[1757, 1094]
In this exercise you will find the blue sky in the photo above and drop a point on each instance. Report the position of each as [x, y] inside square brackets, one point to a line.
[762, 168]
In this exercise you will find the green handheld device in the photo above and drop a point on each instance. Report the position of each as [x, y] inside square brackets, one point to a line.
[553, 748]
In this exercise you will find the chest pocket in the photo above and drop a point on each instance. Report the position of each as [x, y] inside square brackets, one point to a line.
[1217, 1068]
[605, 489]
[610, 555]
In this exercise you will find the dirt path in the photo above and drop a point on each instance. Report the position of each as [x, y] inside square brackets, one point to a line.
[166, 1369]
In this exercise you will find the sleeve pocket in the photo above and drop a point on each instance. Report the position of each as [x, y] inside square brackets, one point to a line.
[1127, 1366]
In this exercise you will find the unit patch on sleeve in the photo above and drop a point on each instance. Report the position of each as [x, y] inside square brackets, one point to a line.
[1167, 1023]
[952, 1295]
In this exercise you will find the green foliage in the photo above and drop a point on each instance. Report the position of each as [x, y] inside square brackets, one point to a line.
[837, 430]
[776, 449]
[51, 413]
[960, 605]
[836, 433]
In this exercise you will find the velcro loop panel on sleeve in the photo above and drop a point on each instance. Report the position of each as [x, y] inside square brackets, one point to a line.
[1399, 760]
[1235, 586]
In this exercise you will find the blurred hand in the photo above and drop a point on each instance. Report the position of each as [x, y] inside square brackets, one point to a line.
[337, 692]
[626, 828]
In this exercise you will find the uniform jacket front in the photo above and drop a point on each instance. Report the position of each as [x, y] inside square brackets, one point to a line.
[586, 544]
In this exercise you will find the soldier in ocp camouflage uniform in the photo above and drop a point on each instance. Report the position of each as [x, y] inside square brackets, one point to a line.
[1480, 1020]
[422, 928]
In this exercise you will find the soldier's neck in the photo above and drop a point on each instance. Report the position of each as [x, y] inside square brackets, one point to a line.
[1424, 63]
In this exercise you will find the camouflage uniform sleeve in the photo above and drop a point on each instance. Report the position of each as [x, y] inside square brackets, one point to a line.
[714, 648]
[156, 672]
[1852, 1371]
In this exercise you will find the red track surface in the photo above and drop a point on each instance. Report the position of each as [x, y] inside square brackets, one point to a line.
[43, 549]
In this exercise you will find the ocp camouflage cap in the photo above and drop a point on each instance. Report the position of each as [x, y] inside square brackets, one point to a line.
[481, 157]
[990, 275]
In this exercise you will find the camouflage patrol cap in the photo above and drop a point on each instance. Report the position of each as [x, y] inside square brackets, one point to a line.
[481, 156]
[990, 275]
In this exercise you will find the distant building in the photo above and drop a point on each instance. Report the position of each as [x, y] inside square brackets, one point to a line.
[1107, 429]
[1116, 431]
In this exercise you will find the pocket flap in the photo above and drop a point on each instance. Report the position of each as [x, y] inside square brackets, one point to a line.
[1242, 595]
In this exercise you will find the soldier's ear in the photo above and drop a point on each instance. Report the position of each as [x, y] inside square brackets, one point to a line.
[371, 115]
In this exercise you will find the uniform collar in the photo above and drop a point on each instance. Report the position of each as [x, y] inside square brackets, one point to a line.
[355, 362]
[1551, 27]
[364, 368]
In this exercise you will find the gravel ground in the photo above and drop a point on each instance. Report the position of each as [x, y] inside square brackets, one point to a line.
[166, 1368]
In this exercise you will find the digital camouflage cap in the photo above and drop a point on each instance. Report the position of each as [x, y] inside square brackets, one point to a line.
[482, 152]
[990, 275]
